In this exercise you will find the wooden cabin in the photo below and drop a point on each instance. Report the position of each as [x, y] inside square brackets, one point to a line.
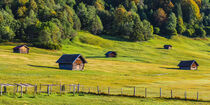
[23, 49]
[72, 62]
[188, 65]
[167, 46]
[111, 54]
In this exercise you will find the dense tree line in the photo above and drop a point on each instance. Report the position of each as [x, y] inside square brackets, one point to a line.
[45, 23]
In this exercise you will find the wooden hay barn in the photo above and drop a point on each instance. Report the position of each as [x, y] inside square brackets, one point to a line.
[188, 65]
[111, 54]
[167, 46]
[21, 49]
[72, 62]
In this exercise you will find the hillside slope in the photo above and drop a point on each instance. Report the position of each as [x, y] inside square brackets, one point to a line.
[140, 64]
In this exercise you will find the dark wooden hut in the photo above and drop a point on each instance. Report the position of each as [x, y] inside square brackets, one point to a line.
[167, 46]
[21, 49]
[71, 62]
[188, 65]
[111, 54]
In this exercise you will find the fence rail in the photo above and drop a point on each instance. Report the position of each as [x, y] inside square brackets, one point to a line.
[21, 89]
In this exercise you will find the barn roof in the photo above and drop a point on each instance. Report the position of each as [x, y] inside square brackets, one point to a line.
[109, 52]
[167, 45]
[17, 47]
[70, 58]
[187, 63]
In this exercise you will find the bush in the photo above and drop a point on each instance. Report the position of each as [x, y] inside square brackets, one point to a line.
[50, 46]
[188, 32]
[156, 30]
[200, 32]
[207, 29]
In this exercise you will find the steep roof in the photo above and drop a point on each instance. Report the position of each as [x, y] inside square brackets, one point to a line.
[70, 58]
[167, 45]
[187, 63]
[109, 52]
[17, 47]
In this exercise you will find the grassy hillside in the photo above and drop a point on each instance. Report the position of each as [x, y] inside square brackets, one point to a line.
[140, 64]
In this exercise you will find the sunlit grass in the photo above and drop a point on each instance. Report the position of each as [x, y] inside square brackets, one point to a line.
[140, 64]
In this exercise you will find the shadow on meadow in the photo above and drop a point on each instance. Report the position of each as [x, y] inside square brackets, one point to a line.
[43, 66]
[95, 57]
[170, 68]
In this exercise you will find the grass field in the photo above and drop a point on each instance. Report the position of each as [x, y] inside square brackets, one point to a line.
[92, 100]
[140, 64]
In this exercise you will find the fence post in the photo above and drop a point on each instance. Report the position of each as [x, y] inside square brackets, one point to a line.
[98, 89]
[145, 92]
[40, 88]
[108, 90]
[185, 94]
[21, 91]
[35, 90]
[69, 88]
[171, 93]
[121, 91]
[17, 89]
[63, 89]
[60, 89]
[14, 90]
[160, 92]
[74, 86]
[26, 89]
[48, 90]
[78, 88]
[197, 95]
[1, 90]
[134, 91]
[5, 89]
[89, 90]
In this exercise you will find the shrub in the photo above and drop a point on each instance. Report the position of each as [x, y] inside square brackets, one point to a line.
[200, 32]
[207, 29]
[50, 46]
[188, 32]
[156, 30]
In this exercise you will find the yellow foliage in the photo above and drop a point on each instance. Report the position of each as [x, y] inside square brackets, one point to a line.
[120, 13]
[198, 2]
[194, 6]
[136, 1]
[23, 2]
[99, 6]
[53, 12]
[21, 11]
[180, 21]
[1, 17]
[171, 5]
[160, 16]
[33, 4]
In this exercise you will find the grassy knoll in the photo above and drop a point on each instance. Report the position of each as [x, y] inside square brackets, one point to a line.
[140, 64]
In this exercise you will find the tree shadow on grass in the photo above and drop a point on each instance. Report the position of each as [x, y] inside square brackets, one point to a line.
[170, 68]
[95, 57]
[43, 66]
[159, 48]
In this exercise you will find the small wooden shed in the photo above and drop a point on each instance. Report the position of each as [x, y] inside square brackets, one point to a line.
[72, 62]
[21, 49]
[111, 54]
[167, 46]
[188, 65]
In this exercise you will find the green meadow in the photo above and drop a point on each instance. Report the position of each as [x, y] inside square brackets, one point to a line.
[140, 64]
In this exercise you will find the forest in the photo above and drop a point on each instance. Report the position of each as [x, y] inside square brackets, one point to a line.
[46, 23]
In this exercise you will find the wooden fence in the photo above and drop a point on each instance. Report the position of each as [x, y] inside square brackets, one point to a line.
[21, 89]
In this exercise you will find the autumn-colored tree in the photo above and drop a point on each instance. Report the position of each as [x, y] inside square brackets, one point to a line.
[160, 16]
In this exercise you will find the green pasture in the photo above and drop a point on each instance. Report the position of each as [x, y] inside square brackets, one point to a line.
[140, 64]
